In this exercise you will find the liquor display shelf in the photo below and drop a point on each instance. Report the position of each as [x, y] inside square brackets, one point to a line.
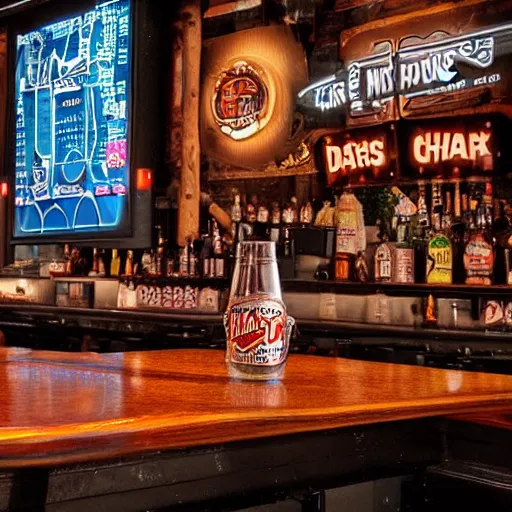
[424, 332]
[404, 182]
[396, 289]
[67, 315]
[212, 282]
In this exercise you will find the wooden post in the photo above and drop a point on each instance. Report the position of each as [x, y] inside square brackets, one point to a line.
[189, 195]
[176, 103]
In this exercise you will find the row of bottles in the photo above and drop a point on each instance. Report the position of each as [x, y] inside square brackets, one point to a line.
[256, 221]
[465, 238]
[206, 258]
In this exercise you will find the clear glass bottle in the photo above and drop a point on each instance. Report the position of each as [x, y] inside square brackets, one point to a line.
[257, 326]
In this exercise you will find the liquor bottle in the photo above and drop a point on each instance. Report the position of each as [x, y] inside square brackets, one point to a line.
[401, 227]
[439, 259]
[466, 214]
[236, 219]
[306, 214]
[479, 253]
[115, 263]
[457, 202]
[183, 257]
[423, 218]
[361, 267]
[68, 267]
[346, 235]
[502, 232]
[295, 210]
[128, 269]
[170, 264]
[152, 271]
[95, 263]
[236, 210]
[383, 261]
[275, 222]
[146, 262]
[437, 206]
[160, 253]
[206, 256]
[218, 253]
[403, 268]
[192, 259]
[287, 243]
[101, 264]
[458, 247]
[250, 216]
[261, 225]
[446, 222]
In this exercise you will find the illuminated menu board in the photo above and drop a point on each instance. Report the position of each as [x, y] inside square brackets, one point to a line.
[72, 124]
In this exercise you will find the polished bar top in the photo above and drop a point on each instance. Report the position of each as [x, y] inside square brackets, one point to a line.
[58, 408]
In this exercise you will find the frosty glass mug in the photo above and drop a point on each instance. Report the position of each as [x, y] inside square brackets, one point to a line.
[258, 329]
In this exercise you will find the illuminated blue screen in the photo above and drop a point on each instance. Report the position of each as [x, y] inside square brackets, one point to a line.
[72, 102]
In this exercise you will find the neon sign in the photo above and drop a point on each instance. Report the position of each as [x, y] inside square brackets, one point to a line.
[433, 147]
[367, 85]
[358, 157]
[355, 155]
[240, 101]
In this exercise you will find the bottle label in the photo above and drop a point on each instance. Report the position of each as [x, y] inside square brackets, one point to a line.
[346, 240]
[383, 263]
[256, 329]
[439, 260]
[478, 261]
[404, 265]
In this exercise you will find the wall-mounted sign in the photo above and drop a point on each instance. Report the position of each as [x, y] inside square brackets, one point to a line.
[249, 82]
[358, 157]
[432, 147]
[369, 85]
[436, 149]
[240, 101]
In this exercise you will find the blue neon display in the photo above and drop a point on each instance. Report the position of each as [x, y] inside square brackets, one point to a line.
[72, 113]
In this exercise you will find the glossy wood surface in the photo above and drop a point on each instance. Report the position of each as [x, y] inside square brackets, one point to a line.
[63, 407]
[499, 419]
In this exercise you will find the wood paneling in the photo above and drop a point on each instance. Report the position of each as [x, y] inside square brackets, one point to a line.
[62, 407]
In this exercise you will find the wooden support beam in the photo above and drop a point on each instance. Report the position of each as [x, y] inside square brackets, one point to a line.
[189, 195]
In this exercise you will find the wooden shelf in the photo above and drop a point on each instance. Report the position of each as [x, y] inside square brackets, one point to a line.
[396, 289]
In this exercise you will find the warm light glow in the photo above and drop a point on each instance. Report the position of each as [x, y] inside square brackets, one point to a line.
[144, 179]
[433, 147]
[355, 155]
[4, 189]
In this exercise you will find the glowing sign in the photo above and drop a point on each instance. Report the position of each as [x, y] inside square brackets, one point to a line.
[365, 86]
[240, 101]
[433, 147]
[355, 155]
[358, 157]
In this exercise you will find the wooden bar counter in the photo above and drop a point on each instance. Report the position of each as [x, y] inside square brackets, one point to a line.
[59, 411]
